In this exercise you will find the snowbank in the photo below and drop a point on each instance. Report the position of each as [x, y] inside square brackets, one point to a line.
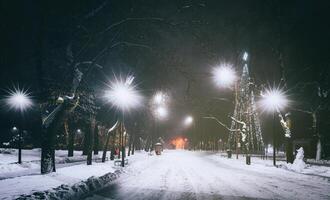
[11, 188]
[76, 191]
[31, 161]
[318, 162]
[258, 164]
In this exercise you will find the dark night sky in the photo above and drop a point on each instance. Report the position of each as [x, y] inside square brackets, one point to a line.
[192, 37]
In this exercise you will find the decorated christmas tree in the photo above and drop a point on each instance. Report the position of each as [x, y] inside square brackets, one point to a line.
[245, 117]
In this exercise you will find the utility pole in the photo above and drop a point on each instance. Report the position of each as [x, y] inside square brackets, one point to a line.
[122, 144]
[274, 141]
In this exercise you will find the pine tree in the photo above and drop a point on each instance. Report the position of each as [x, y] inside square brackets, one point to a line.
[245, 116]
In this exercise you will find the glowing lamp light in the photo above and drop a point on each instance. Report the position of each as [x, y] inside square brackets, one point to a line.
[161, 112]
[273, 100]
[123, 95]
[18, 99]
[159, 98]
[188, 120]
[224, 76]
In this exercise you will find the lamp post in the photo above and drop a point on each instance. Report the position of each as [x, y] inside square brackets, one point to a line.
[159, 108]
[17, 133]
[18, 100]
[188, 121]
[224, 76]
[273, 100]
[124, 96]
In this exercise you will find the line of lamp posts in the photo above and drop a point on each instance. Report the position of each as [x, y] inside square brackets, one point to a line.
[223, 75]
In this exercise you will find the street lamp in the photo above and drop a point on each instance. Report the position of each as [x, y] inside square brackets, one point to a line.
[159, 98]
[123, 95]
[18, 100]
[158, 106]
[273, 100]
[188, 120]
[161, 112]
[224, 75]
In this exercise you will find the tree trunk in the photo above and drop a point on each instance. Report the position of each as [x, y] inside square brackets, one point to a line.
[122, 144]
[71, 144]
[112, 151]
[66, 131]
[85, 141]
[146, 148]
[47, 152]
[70, 141]
[129, 145]
[49, 131]
[90, 140]
[318, 150]
[317, 134]
[112, 148]
[47, 138]
[105, 148]
[289, 151]
[96, 141]
[133, 145]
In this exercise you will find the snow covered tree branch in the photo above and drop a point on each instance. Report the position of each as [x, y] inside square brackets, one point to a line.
[222, 124]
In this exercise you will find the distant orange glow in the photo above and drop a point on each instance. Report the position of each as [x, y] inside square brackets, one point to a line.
[179, 142]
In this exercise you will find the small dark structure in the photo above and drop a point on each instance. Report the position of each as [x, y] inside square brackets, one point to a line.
[158, 148]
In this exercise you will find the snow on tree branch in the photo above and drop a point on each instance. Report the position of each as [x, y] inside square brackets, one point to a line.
[284, 124]
[243, 130]
[222, 124]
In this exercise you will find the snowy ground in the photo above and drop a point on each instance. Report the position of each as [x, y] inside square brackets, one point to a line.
[201, 175]
[25, 178]
[31, 162]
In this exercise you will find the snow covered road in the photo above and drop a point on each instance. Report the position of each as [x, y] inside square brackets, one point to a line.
[201, 175]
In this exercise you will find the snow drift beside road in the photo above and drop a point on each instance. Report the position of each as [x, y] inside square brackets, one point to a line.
[13, 187]
[76, 191]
